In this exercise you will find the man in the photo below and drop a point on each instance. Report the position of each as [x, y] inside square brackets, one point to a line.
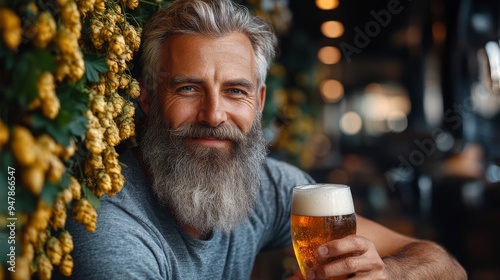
[201, 199]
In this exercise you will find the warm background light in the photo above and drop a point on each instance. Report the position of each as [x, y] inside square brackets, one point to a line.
[384, 108]
[327, 4]
[332, 29]
[331, 91]
[439, 32]
[397, 121]
[351, 123]
[329, 55]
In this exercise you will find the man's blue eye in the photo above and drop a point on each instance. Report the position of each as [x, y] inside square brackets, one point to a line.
[186, 88]
[237, 91]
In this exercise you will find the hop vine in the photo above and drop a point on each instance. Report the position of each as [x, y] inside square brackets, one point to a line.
[68, 100]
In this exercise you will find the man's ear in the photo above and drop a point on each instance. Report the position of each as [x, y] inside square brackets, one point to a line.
[144, 98]
[262, 98]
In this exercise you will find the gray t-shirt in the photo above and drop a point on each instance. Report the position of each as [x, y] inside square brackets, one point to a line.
[137, 238]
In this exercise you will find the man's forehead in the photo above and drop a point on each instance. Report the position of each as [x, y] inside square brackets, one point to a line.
[186, 45]
[229, 58]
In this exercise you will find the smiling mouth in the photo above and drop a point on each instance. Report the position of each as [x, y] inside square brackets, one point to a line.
[211, 142]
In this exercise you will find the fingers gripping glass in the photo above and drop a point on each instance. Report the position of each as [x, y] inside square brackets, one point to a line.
[320, 213]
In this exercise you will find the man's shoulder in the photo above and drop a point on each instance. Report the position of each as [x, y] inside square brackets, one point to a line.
[134, 207]
[280, 171]
[280, 177]
[277, 165]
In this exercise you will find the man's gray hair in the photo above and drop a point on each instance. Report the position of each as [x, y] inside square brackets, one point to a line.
[207, 17]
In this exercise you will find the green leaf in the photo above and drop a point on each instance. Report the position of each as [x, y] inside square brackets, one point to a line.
[45, 60]
[73, 97]
[78, 126]
[64, 117]
[24, 85]
[65, 181]
[93, 200]
[94, 64]
[53, 128]
[27, 69]
[25, 201]
[50, 192]
[6, 159]
[74, 101]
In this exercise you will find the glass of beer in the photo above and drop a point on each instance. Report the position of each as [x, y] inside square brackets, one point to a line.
[320, 213]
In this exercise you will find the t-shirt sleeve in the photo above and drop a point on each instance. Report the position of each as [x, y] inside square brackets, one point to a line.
[120, 248]
[282, 178]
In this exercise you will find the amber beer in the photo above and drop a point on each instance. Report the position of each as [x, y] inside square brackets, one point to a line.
[320, 213]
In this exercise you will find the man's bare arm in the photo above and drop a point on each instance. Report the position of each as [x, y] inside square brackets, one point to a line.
[409, 258]
[423, 260]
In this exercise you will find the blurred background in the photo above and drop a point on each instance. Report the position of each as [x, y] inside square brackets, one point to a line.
[400, 100]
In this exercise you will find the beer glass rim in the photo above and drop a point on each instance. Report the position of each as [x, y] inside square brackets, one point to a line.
[322, 200]
[306, 187]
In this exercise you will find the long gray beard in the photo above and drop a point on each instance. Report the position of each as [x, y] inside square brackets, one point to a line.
[206, 188]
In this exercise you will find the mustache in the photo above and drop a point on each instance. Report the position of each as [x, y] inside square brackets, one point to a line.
[224, 131]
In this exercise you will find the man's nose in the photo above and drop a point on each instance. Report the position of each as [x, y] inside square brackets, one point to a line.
[212, 111]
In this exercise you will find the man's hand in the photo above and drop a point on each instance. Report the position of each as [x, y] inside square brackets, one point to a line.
[355, 257]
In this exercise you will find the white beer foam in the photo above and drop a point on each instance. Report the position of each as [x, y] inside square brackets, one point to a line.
[322, 200]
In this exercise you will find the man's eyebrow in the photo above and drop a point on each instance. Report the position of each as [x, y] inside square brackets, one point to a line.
[241, 82]
[187, 79]
[184, 79]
